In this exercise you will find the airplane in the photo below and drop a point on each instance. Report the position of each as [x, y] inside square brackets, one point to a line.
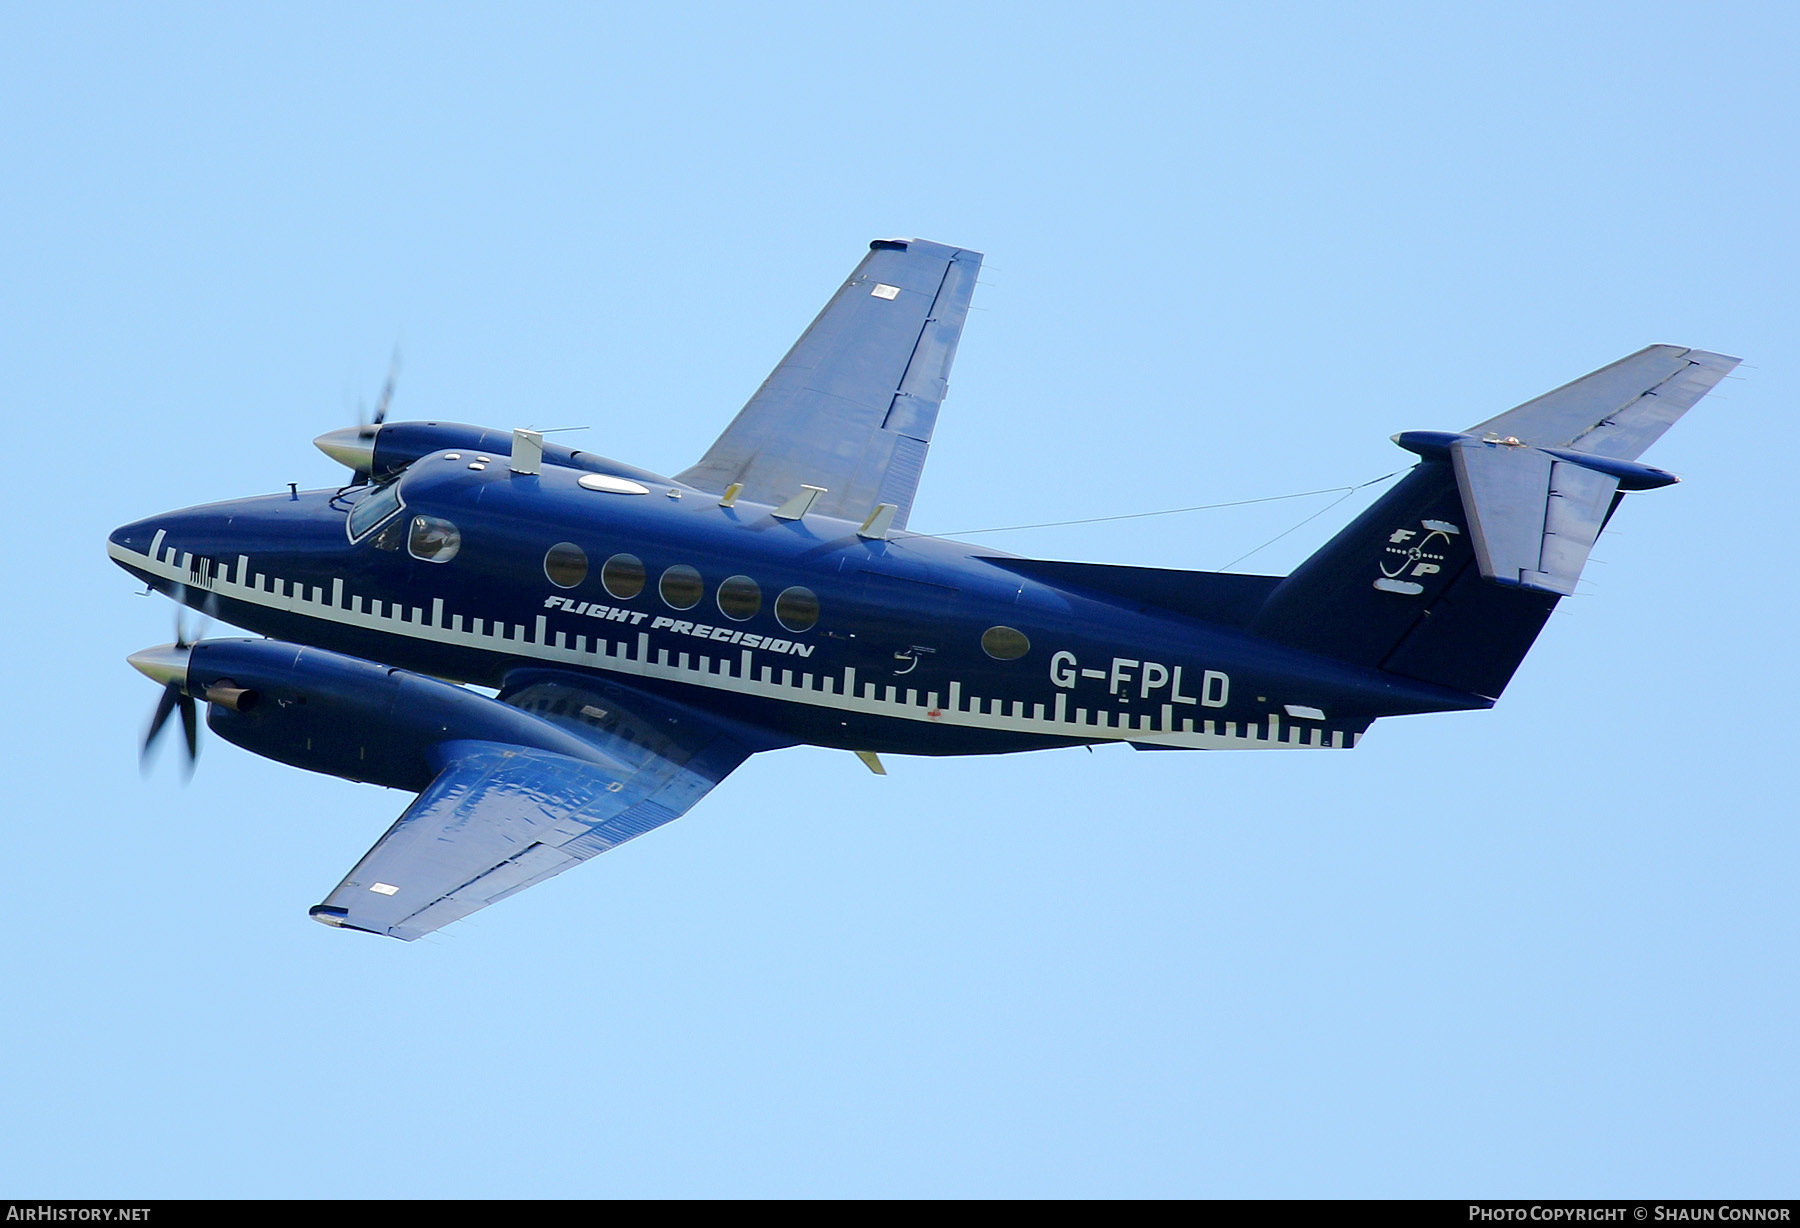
[645, 634]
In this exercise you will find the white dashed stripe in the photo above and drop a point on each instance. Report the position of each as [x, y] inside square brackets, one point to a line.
[741, 677]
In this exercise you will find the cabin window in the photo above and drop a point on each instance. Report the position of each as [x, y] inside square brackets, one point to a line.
[1004, 643]
[566, 564]
[623, 576]
[434, 540]
[682, 587]
[739, 598]
[373, 508]
[797, 608]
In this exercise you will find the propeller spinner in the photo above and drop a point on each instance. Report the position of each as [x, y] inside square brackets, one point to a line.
[354, 446]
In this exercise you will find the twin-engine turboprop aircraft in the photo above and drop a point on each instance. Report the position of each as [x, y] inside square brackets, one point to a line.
[647, 634]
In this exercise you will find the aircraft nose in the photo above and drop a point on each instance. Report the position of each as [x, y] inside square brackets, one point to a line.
[135, 536]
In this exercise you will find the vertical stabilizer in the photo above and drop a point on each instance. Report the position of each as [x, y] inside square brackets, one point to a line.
[1449, 577]
[1399, 589]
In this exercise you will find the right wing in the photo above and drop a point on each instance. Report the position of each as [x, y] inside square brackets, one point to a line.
[852, 406]
[1619, 410]
[500, 817]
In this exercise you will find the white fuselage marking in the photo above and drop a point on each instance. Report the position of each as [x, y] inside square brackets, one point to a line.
[636, 658]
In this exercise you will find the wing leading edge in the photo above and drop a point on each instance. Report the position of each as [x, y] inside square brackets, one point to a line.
[852, 406]
[499, 818]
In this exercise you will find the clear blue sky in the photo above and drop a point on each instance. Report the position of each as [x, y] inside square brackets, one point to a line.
[1547, 950]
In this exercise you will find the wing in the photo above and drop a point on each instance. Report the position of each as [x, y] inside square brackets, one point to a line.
[852, 406]
[500, 817]
[1619, 410]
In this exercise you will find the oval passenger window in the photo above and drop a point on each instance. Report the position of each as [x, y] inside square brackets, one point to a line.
[681, 587]
[739, 598]
[797, 608]
[566, 564]
[1004, 643]
[623, 576]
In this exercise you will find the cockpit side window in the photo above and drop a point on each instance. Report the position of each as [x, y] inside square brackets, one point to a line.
[433, 540]
[373, 508]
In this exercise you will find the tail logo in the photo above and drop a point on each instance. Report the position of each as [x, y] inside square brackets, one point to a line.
[1413, 554]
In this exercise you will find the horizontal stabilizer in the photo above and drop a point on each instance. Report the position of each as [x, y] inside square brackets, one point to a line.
[1538, 482]
[1533, 518]
[1619, 410]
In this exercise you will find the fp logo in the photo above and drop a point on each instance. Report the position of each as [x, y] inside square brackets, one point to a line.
[1414, 554]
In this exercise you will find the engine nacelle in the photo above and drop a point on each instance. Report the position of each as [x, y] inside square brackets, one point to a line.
[347, 717]
[399, 444]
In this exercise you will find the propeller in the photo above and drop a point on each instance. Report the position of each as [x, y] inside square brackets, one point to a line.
[173, 697]
[386, 398]
[354, 446]
[168, 664]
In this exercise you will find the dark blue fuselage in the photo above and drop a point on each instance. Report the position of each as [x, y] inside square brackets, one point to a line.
[911, 644]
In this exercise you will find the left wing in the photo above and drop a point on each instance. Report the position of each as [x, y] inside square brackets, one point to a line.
[500, 817]
[852, 406]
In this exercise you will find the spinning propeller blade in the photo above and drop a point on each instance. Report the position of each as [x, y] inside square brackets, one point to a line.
[354, 446]
[168, 664]
[173, 697]
[387, 390]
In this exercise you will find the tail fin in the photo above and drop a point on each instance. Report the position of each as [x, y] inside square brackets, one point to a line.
[1449, 577]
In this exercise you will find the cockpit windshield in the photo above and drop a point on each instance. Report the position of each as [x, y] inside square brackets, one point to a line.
[374, 507]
